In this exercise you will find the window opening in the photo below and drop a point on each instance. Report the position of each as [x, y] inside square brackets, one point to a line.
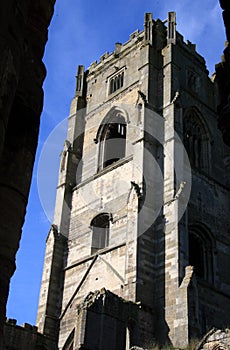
[196, 141]
[100, 232]
[112, 145]
[200, 254]
[116, 83]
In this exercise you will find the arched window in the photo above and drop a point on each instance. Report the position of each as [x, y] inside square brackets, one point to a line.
[70, 341]
[112, 140]
[196, 140]
[197, 254]
[100, 232]
[201, 253]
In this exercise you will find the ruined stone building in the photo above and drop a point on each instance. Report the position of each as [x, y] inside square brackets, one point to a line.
[23, 29]
[138, 251]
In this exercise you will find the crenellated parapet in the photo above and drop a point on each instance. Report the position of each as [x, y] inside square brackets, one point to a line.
[24, 337]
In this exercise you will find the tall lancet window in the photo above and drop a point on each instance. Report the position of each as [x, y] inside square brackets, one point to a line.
[112, 141]
[196, 140]
[201, 252]
[100, 232]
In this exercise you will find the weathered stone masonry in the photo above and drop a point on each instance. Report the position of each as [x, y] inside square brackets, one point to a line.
[119, 221]
[23, 30]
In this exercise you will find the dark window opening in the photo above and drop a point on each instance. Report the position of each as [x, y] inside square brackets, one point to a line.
[201, 254]
[196, 141]
[116, 83]
[112, 142]
[193, 145]
[114, 145]
[100, 232]
[196, 255]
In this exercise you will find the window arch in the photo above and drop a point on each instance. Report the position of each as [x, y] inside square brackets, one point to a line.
[201, 252]
[100, 226]
[70, 341]
[112, 139]
[196, 140]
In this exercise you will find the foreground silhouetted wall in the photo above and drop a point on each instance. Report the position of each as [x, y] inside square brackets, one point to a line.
[223, 78]
[23, 35]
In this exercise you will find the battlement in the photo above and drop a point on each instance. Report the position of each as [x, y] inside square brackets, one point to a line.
[27, 326]
[120, 49]
[157, 33]
[24, 337]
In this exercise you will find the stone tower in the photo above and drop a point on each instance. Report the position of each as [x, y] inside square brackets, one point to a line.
[138, 252]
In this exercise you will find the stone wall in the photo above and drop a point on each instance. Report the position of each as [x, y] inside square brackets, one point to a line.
[147, 258]
[24, 337]
[23, 29]
[215, 339]
[104, 320]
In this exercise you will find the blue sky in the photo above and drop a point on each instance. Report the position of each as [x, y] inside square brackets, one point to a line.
[80, 32]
